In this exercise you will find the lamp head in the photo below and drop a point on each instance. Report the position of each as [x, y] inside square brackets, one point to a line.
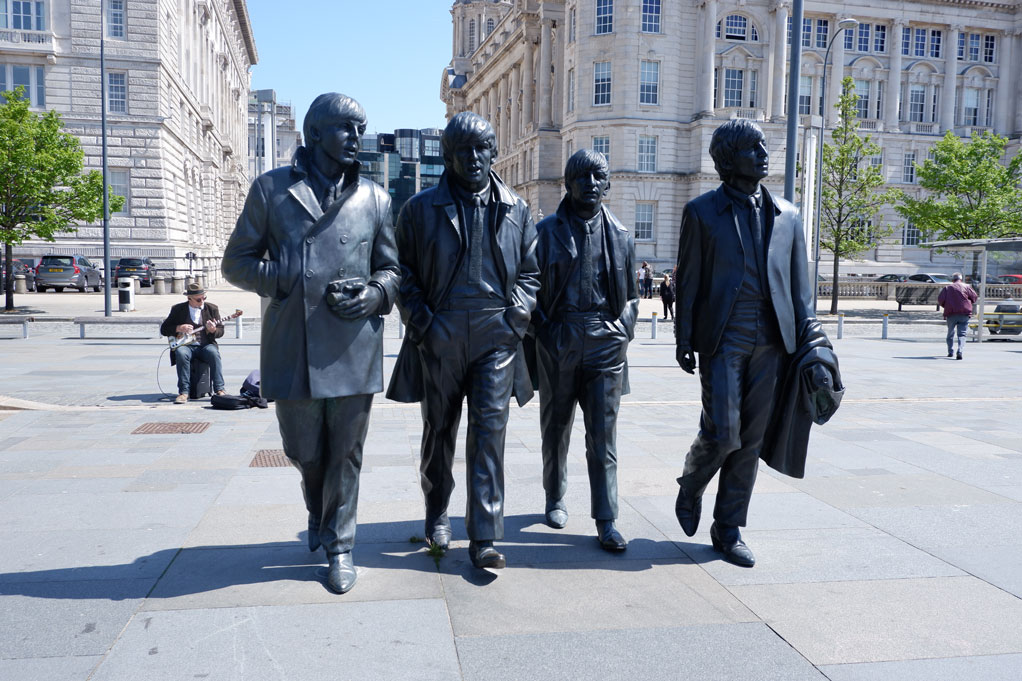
[845, 24]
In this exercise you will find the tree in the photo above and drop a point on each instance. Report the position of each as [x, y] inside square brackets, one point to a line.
[972, 193]
[42, 188]
[850, 203]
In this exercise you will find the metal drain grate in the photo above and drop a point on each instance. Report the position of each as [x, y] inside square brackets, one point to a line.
[170, 428]
[270, 458]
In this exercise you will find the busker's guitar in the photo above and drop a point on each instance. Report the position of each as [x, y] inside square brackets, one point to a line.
[192, 336]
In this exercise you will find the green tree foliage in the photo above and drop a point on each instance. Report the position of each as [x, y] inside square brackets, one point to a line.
[43, 190]
[851, 197]
[971, 192]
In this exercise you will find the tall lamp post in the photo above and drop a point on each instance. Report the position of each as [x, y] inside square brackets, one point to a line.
[842, 26]
[106, 187]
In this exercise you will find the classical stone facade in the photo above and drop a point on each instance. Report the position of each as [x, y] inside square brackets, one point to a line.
[649, 80]
[177, 77]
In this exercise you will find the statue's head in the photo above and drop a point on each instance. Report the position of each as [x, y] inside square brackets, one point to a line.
[739, 151]
[586, 178]
[469, 148]
[333, 128]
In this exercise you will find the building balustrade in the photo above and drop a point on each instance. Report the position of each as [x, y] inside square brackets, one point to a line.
[871, 124]
[741, 112]
[9, 37]
[926, 128]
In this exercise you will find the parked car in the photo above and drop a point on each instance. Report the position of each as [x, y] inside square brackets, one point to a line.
[1010, 279]
[19, 268]
[29, 263]
[891, 277]
[143, 268]
[930, 278]
[67, 271]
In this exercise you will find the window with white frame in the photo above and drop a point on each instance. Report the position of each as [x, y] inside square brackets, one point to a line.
[916, 103]
[647, 153]
[737, 27]
[120, 185]
[734, 81]
[23, 15]
[864, 35]
[961, 44]
[879, 38]
[601, 83]
[807, 32]
[753, 88]
[645, 215]
[879, 104]
[115, 18]
[805, 95]
[604, 16]
[571, 90]
[877, 161]
[32, 78]
[970, 106]
[471, 36]
[908, 168]
[649, 82]
[571, 25]
[601, 143]
[989, 42]
[862, 101]
[849, 38]
[919, 42]
[650, 16]
[935, 103]
[910, 234]
[974, 47]
[117, 92]
[936, 38]
[490, 25]
[906, 41]
[822, 33]
[989, 118]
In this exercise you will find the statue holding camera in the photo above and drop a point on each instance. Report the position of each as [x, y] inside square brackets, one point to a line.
[318, 241]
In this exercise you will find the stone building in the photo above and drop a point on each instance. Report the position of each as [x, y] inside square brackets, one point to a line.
[177, 77]
[647, 82]
[272, 134]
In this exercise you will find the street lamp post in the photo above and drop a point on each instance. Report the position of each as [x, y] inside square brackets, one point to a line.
[842, 26]
[106, 186]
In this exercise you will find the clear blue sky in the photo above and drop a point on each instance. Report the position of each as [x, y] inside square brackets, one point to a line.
[387, 54]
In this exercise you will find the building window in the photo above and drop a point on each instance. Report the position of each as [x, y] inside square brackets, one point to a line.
[910, 234]
[974, 47]
[988, 48]
[864, 33]
[120, 184]
[908, 168]
[649, 82]
[862, 103]
[645, 212]
[471, 36]
[601, 143]
[489, 26]
[906, 41]
[737, 27]
[849, 39]
[117, 92]
[880, 100]
[601, 83]
[431, 147]
[115, 18]
[919, 45]
[647, 154]
[571, 90]
[32, 78]
[916, 103]
[24, 15]
[789, 30]
[879, 38]
[990, 109]
[970, 106]
[936, 101]
[935, 41]
[961, 44]
[805, 95]
[822, 32]
[807, 32]
[604, 16]
[650, 16]
[733, 82]
[571, 25]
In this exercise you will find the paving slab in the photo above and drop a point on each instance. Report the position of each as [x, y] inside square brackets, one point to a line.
[979, 668]
[49, 668]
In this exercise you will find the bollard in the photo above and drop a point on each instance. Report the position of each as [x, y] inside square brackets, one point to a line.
[653, 328]
[840, 325]
[19, 284]
[883, 334]
[137, 285]
[237, 327]
[177, 284]
[159, 286]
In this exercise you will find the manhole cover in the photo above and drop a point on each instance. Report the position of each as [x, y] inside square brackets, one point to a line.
[170, 428]
[270, 458]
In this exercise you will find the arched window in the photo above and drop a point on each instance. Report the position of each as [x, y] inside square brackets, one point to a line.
[737, 27]
[472, 36]
[489, 26]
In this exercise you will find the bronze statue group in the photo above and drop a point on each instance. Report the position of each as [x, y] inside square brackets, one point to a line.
[496, 306]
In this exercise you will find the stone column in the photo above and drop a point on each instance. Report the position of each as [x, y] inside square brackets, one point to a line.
[516, 113]
[528, 84]
[837, 74]
[707, 55]
[502, 117]
[780, 68]
[545, 92]
[491, 95]
[947, 105]
[1005, 71]
[894, 79]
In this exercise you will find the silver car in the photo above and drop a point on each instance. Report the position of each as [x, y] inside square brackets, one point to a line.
[67, 271]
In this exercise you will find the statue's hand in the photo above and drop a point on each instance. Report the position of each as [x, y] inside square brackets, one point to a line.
[366, 302]
[686, 360]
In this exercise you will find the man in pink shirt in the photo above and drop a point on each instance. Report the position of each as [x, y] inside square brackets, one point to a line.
[957, 299]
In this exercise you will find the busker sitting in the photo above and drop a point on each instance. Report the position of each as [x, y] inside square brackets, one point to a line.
[184, 318]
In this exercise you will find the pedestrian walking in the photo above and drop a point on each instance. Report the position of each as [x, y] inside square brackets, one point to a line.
[956, 298]
[647, 280]
[667, 296]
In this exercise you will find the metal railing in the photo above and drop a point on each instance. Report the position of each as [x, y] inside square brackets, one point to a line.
[889, 290]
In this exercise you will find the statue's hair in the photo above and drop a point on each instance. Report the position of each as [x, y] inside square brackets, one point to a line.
[468, 127]
[730, 138]
[584, 161]
[332, 105]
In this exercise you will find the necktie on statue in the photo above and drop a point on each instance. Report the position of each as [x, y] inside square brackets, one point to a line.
[475, 242]
[756, 227]
[586, 298]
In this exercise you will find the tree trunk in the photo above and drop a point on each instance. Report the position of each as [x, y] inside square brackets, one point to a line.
[8, 278]
[833, 292]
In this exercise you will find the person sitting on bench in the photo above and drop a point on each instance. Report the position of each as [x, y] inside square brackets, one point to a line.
[184, 318]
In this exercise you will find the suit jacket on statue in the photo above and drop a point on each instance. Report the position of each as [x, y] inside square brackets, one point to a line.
[286, 249]
[430, 244]
[711, 264]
